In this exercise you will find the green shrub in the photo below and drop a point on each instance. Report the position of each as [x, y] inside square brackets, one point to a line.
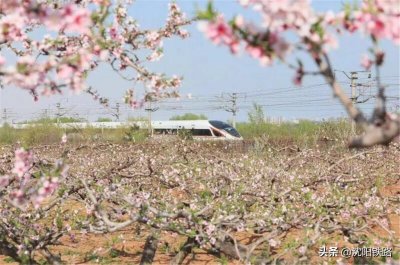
[135, 134]
[185, 134]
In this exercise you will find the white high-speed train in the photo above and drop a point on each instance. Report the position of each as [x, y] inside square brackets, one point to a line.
[200, 129]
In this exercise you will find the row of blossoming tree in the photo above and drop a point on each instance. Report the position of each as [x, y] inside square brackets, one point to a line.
[82, 35]
[206, 197]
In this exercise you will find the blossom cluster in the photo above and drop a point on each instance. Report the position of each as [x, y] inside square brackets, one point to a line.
[22, 187]
[378, 18]
[315, 31]
[78, 38]
[29, 204]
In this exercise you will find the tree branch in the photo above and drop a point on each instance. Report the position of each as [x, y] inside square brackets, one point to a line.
[381, 129]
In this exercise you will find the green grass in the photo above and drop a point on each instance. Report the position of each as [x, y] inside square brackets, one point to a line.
[44, 133]
[8, 260]
[48, 133]
[305, 133]
[101, 119]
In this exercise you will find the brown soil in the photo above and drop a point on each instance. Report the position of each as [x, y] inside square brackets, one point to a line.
[125, 247]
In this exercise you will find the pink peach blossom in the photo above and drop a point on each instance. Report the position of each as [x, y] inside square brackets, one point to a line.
[366, 62]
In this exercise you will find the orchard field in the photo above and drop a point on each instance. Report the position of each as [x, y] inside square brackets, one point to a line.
[185, 202]
[295, 193]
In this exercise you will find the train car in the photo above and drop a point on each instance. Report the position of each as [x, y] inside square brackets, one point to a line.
[199, 129]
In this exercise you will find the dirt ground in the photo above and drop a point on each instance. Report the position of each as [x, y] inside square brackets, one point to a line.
[125, 247]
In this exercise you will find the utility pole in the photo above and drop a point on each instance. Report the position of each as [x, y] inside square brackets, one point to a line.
[234, 109]
[60, 112]
[149, 110]
[5, 116]
[353, 86]
[232, 106]
[353, 78]
[116, 114]
[46, 113]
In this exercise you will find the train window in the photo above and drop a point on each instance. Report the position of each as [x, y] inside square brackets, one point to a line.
[201, 132]
[232, 131]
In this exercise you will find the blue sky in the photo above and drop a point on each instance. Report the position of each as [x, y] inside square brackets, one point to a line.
[210, 71]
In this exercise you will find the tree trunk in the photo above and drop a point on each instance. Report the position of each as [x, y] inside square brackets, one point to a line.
[184, 251]
[150, 249]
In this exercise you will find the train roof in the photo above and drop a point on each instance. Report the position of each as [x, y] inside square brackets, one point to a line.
[185, 124]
